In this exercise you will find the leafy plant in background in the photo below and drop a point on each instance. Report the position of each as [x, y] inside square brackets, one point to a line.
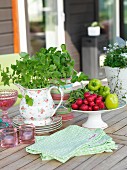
[116, 55]
[95, 24]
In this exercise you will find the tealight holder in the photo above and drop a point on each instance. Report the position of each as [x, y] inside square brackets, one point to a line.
[9, 137]
[27, 134]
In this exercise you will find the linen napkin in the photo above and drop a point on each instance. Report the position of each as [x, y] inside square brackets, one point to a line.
[72, 141]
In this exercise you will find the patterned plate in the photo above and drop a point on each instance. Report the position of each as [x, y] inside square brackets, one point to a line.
[44, 131]
[19, 120]
[42, 128]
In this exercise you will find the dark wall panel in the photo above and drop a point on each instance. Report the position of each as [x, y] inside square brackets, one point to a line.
[5, 3]
[6, 27]
[78, 14]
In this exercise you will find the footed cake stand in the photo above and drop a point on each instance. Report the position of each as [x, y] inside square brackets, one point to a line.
[95, 117]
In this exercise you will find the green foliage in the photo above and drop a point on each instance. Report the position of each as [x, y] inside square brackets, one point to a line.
[29, 100]
[95, 24]
[116, 55]
[46, 67]
[74, 95]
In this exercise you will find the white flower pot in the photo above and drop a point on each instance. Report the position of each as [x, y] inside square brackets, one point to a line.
[117, 81]
[94, 31]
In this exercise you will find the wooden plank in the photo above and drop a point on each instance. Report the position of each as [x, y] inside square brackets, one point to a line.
[122, 131]
[121, 165]
[6, 39]
[6, 27]
[72, 163]
[112, 160]
[11, 151]
[35, 164]
[5, 3]
[21, 162]
[119, 139]
[7, 49]
[5, 14]
[115, 127]
[12, 158]
[50, 165]
[116, 118]
[95, 160]
[113, 115]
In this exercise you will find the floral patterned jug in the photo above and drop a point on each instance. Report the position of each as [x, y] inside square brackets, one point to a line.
[43, 107]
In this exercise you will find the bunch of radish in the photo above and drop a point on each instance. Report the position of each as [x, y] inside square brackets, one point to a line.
[90, 102]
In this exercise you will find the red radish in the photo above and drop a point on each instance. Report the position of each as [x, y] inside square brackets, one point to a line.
[85, 101]
[79, 101]
[94, 95]
[86, 94]
[90, 98]
[102, 105]
[89, 108]
[91, 103]
[100, 97]
[97, 101]
[74, 106]
[84, 107]
[95, 107]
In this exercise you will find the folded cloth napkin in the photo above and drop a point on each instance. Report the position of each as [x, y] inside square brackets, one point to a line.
[72, 141]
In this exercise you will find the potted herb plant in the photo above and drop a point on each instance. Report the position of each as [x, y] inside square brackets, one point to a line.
[62, 74]
[116, 67]
[35, 76]
[94, 29]
[31, 75]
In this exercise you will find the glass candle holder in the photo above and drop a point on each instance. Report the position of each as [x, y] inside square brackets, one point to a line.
[9, 137]
[27, 134]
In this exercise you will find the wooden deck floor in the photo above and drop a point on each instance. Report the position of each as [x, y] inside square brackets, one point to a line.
[18, 158]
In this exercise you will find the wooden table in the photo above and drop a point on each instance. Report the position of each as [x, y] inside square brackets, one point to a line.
[18, 158]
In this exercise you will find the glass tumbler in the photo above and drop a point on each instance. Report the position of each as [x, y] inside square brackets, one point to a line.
[27, 134]
[9, 137]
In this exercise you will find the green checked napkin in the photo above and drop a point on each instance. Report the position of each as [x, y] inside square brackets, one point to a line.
[72, 141]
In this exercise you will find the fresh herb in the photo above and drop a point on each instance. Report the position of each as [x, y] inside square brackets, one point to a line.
[46, 67]
[75, 94]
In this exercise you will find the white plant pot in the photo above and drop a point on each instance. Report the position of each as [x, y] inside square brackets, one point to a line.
[117, 81]
[94, 31]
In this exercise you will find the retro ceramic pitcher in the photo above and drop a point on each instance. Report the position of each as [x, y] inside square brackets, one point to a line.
[43, 107]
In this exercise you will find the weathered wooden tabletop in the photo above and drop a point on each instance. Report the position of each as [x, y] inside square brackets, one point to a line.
[18, 158]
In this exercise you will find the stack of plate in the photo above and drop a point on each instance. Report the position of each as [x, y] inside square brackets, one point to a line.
[55, 124]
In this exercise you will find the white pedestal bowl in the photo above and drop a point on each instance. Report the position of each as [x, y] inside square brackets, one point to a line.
[95, 117]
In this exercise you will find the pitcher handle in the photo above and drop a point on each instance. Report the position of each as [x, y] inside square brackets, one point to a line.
[62, 95]
[21, 89]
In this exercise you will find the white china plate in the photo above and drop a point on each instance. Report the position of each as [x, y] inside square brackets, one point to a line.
[43, 129]
[121, 105]
[19, 120]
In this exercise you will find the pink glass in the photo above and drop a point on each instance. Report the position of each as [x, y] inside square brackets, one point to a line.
[9, 137]
[7, 99]
[27, 134]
